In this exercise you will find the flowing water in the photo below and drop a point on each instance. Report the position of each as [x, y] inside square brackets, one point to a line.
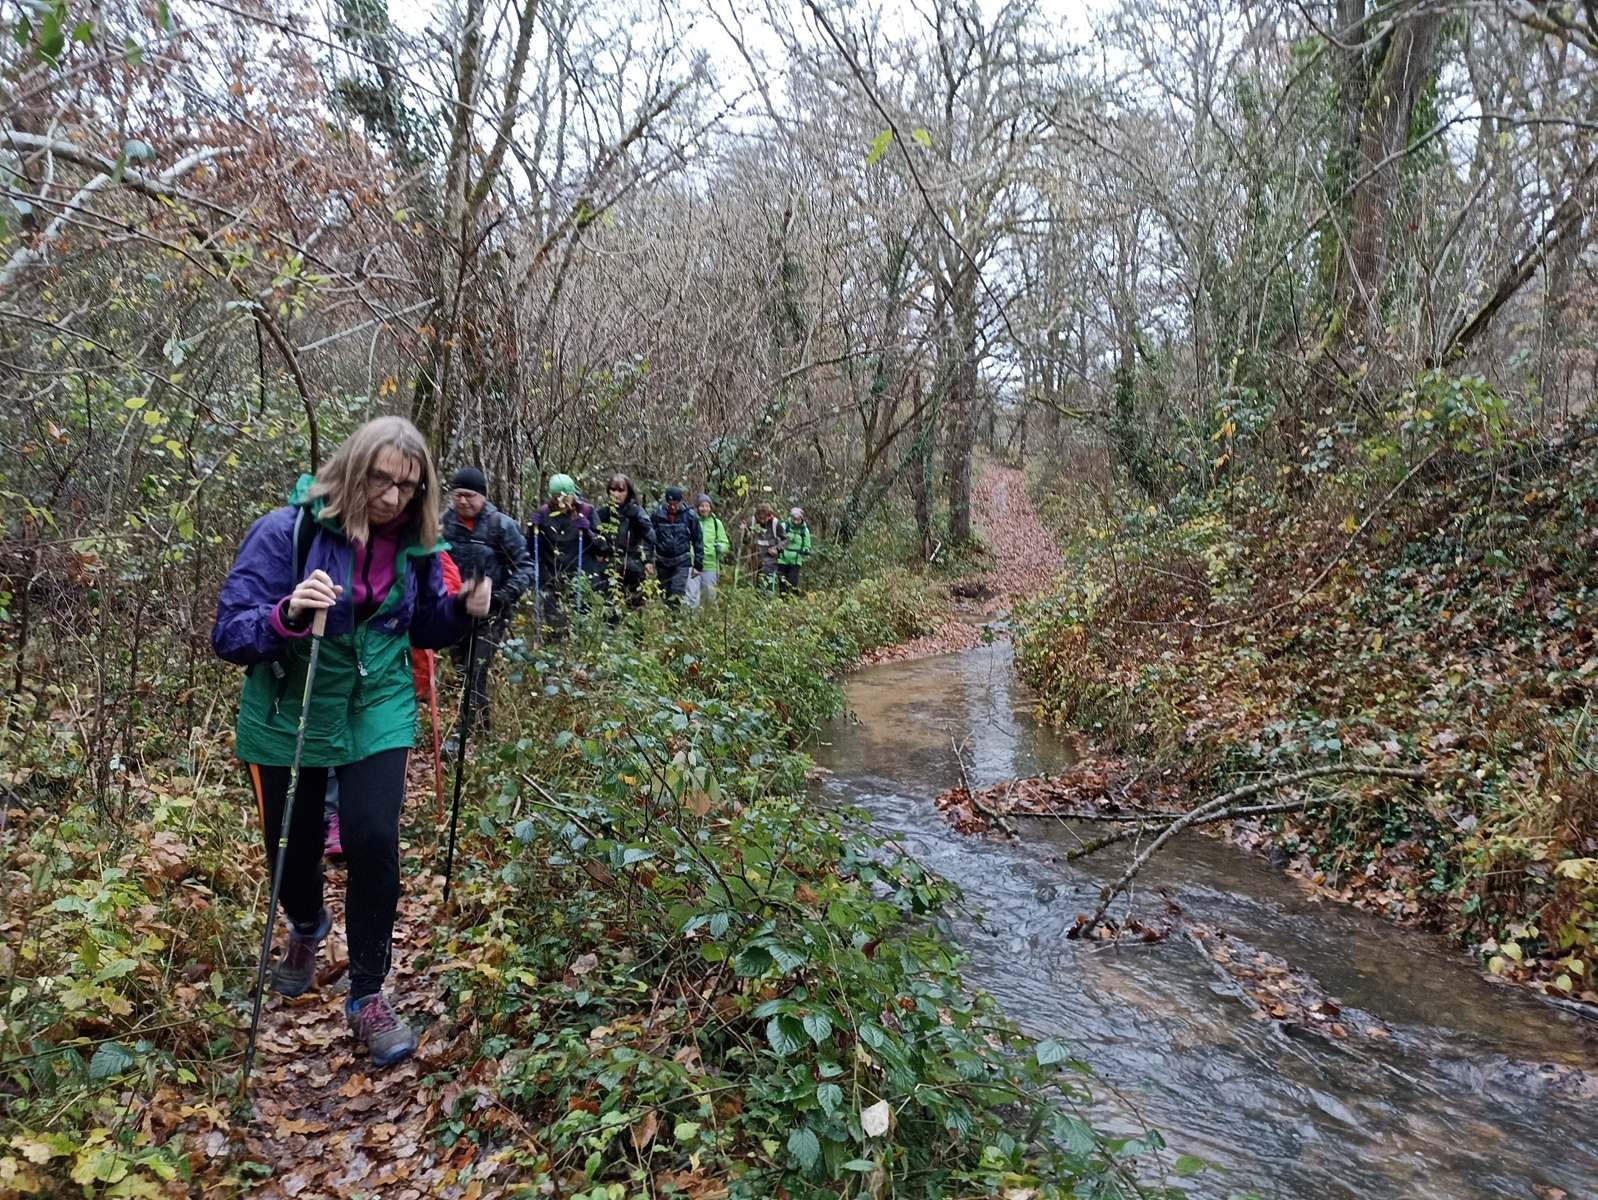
[1472, 1096]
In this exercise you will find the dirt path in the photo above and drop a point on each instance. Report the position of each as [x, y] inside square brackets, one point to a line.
[1023, 558]
[325, 1124]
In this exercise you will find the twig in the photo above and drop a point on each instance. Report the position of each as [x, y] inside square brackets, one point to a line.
[1216, 810]
[990, 813]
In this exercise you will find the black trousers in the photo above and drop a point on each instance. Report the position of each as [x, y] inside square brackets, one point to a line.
[674, 578]
[788, 578]
[371, 794]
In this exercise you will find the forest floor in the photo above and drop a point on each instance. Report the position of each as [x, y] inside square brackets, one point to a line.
[326, 1125]
[1022, 558]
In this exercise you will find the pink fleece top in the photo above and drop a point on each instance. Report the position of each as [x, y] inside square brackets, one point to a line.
[375, 563]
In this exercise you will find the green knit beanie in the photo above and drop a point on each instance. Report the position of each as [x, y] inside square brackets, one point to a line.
[562, 485]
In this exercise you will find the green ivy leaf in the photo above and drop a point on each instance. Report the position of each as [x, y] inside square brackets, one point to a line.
[805, 1147]
[1188, 1166]
[818, 1027]
[785, 1035]
[110, 1059]
[52, 35]
[788, 961]
[830, 1097]
[879, 147]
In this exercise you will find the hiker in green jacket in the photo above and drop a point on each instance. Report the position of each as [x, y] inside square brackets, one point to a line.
[794, 552]
[702, 589]
[360, 541]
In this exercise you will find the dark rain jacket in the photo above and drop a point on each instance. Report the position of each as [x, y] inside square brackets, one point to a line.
[564, 543]
[494, 547]
[624, 536]
[679, 540]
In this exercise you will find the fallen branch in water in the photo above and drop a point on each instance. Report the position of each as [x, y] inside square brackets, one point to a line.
[1230, 814]
[1221, 808]
[986, 810]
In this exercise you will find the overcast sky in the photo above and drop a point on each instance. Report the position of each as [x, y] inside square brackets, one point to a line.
[1071, 19]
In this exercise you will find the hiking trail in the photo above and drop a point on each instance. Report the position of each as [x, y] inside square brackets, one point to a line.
[1022, 555]
[325, 1124]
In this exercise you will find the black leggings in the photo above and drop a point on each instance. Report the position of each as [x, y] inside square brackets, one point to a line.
[371, 793]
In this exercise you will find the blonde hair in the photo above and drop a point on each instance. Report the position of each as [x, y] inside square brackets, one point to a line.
[342, 479]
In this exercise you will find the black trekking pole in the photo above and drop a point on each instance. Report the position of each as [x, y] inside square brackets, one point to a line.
[460, 748]
[318, 628]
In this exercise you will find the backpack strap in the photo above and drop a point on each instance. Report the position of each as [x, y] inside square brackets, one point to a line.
[304, 535]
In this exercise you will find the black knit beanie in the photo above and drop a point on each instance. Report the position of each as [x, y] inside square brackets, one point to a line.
[470, 478]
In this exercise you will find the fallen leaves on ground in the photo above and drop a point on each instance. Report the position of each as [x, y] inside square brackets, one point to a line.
[325, 1124]
[1023, 558]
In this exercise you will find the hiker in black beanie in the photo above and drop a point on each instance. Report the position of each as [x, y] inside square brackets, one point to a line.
[484, 542]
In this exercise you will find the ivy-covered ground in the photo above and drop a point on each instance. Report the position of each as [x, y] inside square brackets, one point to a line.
[666, 972]
[1429, 601]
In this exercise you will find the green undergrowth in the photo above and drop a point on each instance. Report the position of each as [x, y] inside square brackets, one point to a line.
[1429, 602]
[671, 972]
[692, 978]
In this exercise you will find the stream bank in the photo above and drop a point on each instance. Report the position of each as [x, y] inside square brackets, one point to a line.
[1479, 1091]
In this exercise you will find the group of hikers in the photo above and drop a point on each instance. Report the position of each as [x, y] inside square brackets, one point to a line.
[363, 547]
[614, 547]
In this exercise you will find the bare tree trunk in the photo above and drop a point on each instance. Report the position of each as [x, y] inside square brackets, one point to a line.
[1389, 106]
[962, 404]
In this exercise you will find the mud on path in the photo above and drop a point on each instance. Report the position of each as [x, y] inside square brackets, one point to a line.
[1022, 558]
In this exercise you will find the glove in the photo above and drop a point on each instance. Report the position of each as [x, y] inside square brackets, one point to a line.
[536, 520]
[582, 523]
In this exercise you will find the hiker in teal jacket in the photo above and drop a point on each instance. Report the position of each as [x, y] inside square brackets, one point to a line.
[794, 552]
[360, 540]
[702, 589]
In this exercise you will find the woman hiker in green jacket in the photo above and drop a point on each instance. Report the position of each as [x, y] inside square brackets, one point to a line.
[795, 549]
[717, 547]
[361, 541]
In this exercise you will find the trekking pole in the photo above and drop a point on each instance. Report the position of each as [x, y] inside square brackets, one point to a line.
[318, 628]
[438, 750]
[538, 596]
[460, 756]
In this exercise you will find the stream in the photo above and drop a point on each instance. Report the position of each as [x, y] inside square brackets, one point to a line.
[1461, 1102]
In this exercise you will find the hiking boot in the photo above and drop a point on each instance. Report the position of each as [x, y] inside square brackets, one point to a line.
[332, 847]
[296, 970]
[374, 1022]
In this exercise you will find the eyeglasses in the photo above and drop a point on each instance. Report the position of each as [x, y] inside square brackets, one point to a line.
[378, 483]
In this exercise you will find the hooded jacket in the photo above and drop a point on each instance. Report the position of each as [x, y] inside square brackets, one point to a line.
[678, 541]
[624, 536]
[717, 544]
[364, 702]
[796, 546]
[564, 542]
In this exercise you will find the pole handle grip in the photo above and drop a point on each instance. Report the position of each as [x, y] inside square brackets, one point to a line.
[319, 623]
